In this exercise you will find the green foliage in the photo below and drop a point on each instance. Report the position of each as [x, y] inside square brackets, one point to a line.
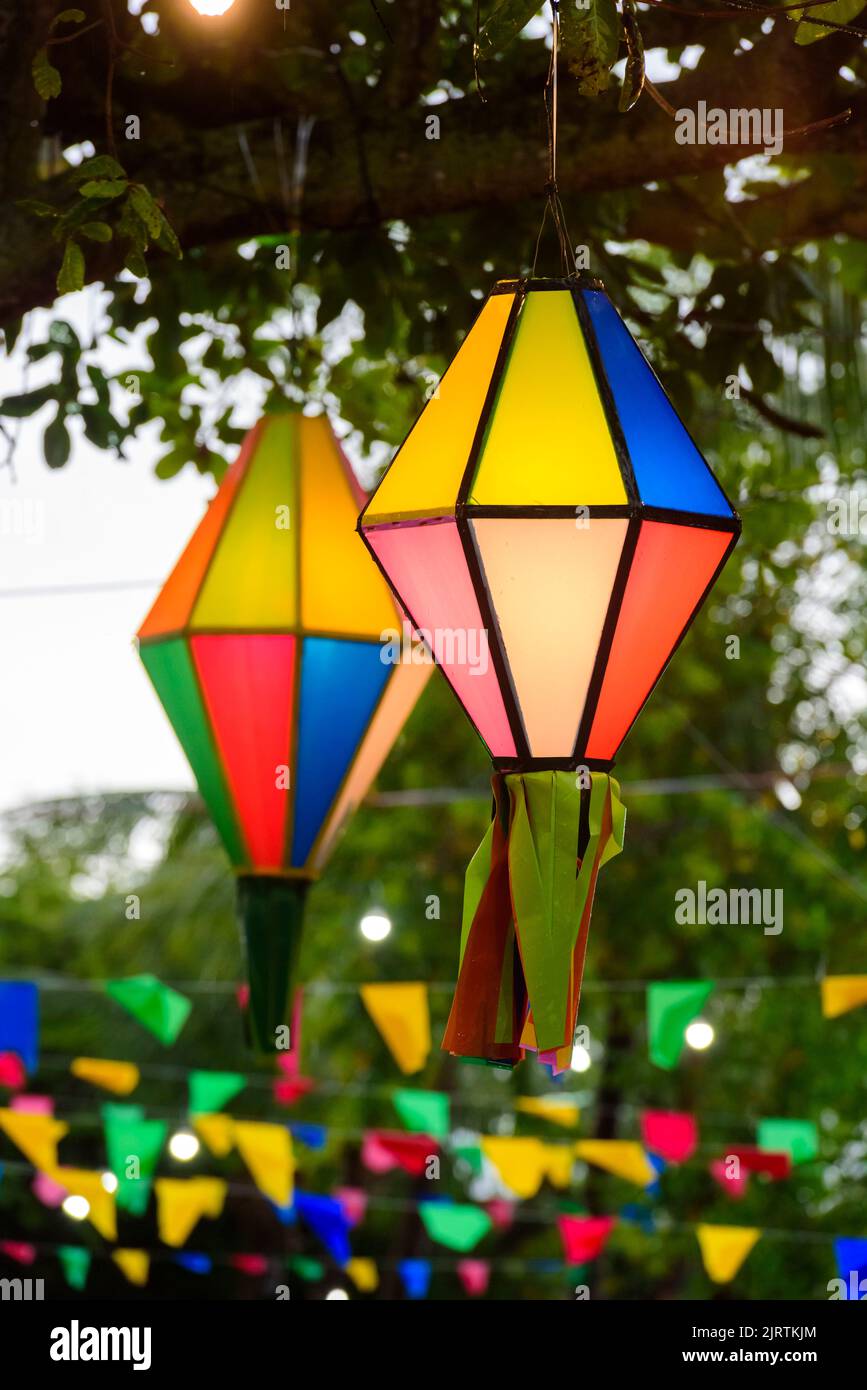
[839, 11]
[506, 23]
[46, 78]
[591, 38]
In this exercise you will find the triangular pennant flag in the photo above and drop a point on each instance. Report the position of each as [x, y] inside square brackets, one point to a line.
[671, 1007]
[415, 1277]
[13, 1074]
[267, 1151]
[194, 1262]
[798, 1138]
[584, 1237]
[559, 1112]
[37, 1136]
[851, 1256]
[840, 993]
[475, 1276]
[625, 1158]
[326, 1218]
[18, 1250]
[733, 1180]
[363, 1274]
[400, 1012]
[457, 1225]
[522, 1163]
[75, 1263]
[754, 1160]
[211, 1090]
[19, 1021]
[133, 1144]
[381, 1152]
[671, 1134]
[119, 1077]
[423, 1112]
[724, 1249]
[135, 1265]
[182, 1202]
[156, 1006]
[217, 1131]
[306, 1268]
[77, 1182]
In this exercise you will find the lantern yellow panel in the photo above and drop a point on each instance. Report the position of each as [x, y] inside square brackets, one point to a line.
[251, 581]
[405, 686]
[548, 442]
[427, 472]
[541, 575]
[342, 592]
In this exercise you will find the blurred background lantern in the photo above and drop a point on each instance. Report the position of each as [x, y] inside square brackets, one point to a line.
[264, 647]
[550, 505]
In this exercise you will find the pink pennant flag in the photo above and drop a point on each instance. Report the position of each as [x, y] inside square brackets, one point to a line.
[12, 1073]
[19, 1252]
[501, 1212]
[670, 1133]
[353, 1201]
[33, 1105]
[47, 1191]
[250, 1264]
[733, 1187]
[289, 1089]
[475, 1276]
[584, 1237]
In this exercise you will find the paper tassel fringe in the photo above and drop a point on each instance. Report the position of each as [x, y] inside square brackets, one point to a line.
[527, 902]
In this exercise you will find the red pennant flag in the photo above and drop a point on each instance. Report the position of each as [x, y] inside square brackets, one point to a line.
[380, 1152]
[475, 1276]
[753, 1160]
[670, 1133]
[734, 1187]
[584, 1237]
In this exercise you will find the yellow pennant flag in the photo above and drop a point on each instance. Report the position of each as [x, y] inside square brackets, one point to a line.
[400, 1012]
[182, 1202]
[217, 1132]
[119, 1077]
[78, 1182]
[625, 1158]
[135, 1264]
[37, 1136]
[840, 993]
[267, 1151]
[363, 1274]
[521, 1163]
[724, 1249]
[559, 1112]
[559, 1161]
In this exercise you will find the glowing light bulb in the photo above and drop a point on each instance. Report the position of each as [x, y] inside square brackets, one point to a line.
[699, 1035]
[109, 1182]
[337, 1294]
[580, 1058]
[375, 926]
[76, 1207]
[183, 1146]
[212, 7]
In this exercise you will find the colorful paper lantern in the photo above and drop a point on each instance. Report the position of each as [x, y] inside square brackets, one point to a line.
[552, 530]
[265, 648]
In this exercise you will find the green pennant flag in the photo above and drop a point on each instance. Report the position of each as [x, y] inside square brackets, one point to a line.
[455, 1224]
[133, 1146]
[306, 1268]
[472, 1155]
[423, 1112]
[211, 1090]
[157, 1007]
[671, 1007]
[799, 1138]
[75, 1263]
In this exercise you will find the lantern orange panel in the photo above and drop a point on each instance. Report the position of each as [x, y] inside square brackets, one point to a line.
[174, 603]
[550, 583]
[670, 571]
[428, 569]
[247, 683]
[427, 471]
[342, 591]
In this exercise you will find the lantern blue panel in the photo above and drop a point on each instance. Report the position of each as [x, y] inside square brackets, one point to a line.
[341, 683]
[19, 1021]
[669, 470]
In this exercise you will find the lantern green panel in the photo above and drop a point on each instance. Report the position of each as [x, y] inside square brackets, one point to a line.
[169, 666]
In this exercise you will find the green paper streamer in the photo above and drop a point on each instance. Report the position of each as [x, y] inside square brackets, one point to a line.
[454, 1224]
[671, 1007]
[211, 1090]
[271, 910]
[799, 1138]
[130, 1135]
[424, 1112]
[156, 1006]
[75, 1263]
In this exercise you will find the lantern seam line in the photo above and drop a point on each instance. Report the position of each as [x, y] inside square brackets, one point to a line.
[496, 642]
[606, 639]
[503, 353]
[606, 397]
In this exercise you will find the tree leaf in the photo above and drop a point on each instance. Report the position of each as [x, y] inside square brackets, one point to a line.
[506, 23]
[103, 188]
[100, 166]
[19, 407]
[146, 209]
[38, 209]
[46, 78]
[633, 78]
[135, 262]
[168, 239]
[71, 274]
[67, 17]
[841, 11]
[56, 442]
[97, 231]
[590, 39]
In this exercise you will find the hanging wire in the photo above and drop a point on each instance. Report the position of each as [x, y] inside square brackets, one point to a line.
[553, 205]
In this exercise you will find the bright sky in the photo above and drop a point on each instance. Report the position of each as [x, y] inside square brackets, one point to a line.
[77, 712]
